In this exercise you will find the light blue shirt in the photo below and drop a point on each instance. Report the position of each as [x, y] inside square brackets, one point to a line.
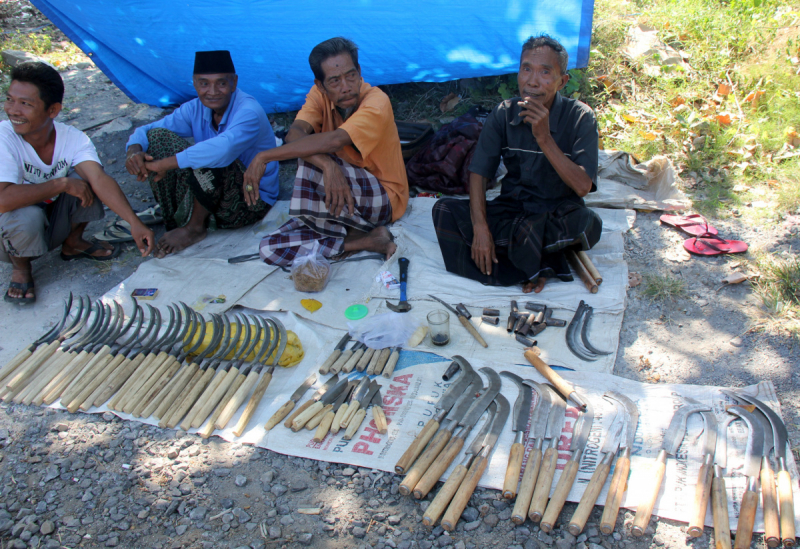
[243, 132]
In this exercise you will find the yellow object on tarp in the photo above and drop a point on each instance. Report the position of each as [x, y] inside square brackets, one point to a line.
[292, 354]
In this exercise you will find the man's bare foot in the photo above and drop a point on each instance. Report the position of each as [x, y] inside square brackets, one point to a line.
[179, 239]
[536, 287]
[377, 240]
[21, 273]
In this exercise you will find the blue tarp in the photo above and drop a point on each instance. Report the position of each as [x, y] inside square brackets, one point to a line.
[147, 46]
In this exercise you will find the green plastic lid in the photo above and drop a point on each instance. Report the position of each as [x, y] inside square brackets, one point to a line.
[356, 312]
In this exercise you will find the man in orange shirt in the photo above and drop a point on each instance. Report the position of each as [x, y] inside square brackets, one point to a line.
[351, 179]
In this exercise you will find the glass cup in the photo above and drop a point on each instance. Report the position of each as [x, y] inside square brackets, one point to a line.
[439, 324]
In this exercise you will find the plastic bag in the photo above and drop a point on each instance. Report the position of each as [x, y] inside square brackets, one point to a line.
[386, 330]
[311, 271]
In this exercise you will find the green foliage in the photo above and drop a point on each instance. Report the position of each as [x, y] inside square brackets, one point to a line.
[36, 43]
[663, 288]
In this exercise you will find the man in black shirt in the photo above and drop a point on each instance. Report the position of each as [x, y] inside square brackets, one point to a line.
[549, 146]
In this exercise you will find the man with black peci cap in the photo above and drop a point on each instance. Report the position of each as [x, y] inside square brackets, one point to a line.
[203, 185]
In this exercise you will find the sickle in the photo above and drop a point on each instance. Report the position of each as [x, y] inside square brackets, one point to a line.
[113, 329]
[179, 325]
[160, 341]
[96, 327]
[53, 333]
[155, 317]
[259, 331]
[244, 325]
[220, 328]
[281, 338]
[79, 321]
[190, 324]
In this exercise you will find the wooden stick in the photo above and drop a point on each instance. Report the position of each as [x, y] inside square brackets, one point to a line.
[445, 496]
[719, 507]
[702, 494]
[747, 518]
[438, 467]
[512, 470]
[543, 484]
[523, 502]
[578, 267]
[645, 507]
[472, 330]
[786, 499]
[354, 425]
[253, 403]
[380, 420]
[769, 502]
[588, 499]
[556, 503]
[421, 465]
[324, 427]
[616, 491]
[416, 447]
[464, 492]
[388, 371]
[232, 403]
[282, 412]
[587, 262]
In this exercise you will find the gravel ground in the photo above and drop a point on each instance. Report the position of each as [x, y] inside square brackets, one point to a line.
[86, 480]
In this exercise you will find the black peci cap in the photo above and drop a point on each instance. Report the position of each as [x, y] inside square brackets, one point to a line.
[213, 62]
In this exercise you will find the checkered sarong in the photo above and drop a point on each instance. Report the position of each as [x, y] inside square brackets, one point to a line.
[311, 221]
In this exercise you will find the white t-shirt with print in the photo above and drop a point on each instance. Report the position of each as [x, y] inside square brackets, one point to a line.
[20, 164]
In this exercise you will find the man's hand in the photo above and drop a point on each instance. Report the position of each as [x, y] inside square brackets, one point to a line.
[252, 179]
[157, 167]
[144, 237]
[337, 191]
[537, 115]
[483, 249]
[81, 190]
[135, 162]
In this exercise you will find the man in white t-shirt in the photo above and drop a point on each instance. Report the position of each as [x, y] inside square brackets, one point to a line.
[51, 183]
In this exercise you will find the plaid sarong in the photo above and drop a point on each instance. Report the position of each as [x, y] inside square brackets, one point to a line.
[311, 221]
[527, 245]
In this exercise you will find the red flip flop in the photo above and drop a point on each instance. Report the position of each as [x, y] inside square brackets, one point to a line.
[714, 245]
[694, 224]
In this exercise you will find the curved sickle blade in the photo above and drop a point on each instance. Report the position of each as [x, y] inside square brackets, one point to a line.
[53, 333]
[244, 324]
[155, 316]
[189, 324]
[522, 406]
[677, 426]
[477, 443]
[631, 416]
[168, 331]
[755, 441]
[779, 433]
[138, 314]
[259, 331]
[479, 406]
[81, 317]
[282, 342]
[542, 410]
[225, 345]
[581, 430]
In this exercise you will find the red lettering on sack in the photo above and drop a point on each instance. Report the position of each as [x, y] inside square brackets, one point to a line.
[369, 433]
[390, 400]
[405, 379]
[396, 391]
[362, 448]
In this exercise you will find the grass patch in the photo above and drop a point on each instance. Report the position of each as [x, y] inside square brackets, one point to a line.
[663, 288]
[779, 289]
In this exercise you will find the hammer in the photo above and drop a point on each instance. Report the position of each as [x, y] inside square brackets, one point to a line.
[404, 306]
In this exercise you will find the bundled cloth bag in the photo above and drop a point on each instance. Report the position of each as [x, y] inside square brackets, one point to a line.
[443, 164]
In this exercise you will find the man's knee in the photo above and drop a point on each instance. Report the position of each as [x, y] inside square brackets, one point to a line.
[157, 134]
[22, 232]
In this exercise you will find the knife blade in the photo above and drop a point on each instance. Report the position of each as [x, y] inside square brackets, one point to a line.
[752, 466]
[619, 480]
[464, 321]
[355, 402]
[702, 492]
[315, 404]
[521, 415]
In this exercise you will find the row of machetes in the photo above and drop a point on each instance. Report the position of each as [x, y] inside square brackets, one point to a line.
[458, 411]
[93, 354]
[338, 404]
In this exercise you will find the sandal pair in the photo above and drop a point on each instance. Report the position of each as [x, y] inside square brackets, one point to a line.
[706, 240]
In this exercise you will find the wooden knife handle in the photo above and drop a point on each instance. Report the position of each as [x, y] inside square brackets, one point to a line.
[26, 369]
[211, 424]
[786, 499]
[168, 388]
[464, 492]
[438, 467]
[351, 411]
[719, 508]
[355, 423]
[523, 502]
[58, 372]
[210, 398]
[421, 465]
[122, 372]
[194, 375]
[588, 499]
[252, 404]
[12, 365]
[163, 377]
[192, 395]
[472, 330]
[769, 502]
[702, 493]
[542, 491]
[645, 508]
[556, 503]
[747, 518]
[337, 420]
[365, 359]
[337, 366]
[45, 374]
[445, 495]
[388, 371]
[549, 374]
[92, 383]
[415, 448]
[350, 364]
[378, 360]
[282, 412]
[314, 421]
[380, 420]
[303, 407]
[324, 426]
[232, 404]
[512, 470]
[305, 415]
[326, 366]
[150, 378]
[616, 491]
